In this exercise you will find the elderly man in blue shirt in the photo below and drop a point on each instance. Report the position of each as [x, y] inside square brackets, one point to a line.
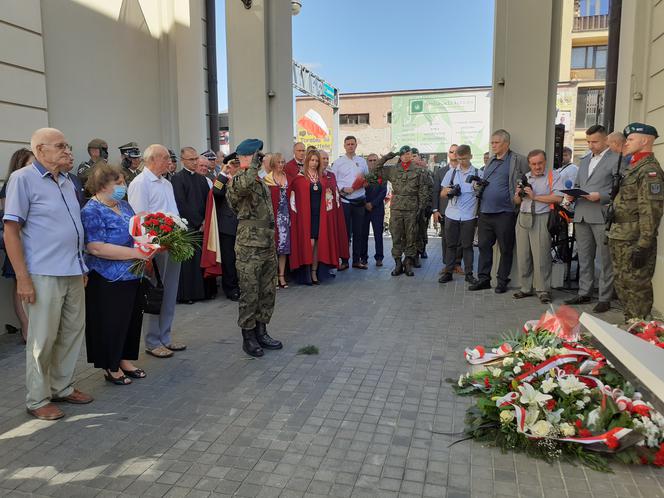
[460, 214]
[44, 241]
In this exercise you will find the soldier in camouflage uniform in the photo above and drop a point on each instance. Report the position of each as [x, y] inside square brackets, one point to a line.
[425, 213]
[410, 193]
[256, 255]
[637, 211]
[98, 151]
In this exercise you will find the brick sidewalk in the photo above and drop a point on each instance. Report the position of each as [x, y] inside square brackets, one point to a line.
[359, 419]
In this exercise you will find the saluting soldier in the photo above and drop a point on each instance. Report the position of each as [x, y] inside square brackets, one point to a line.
[98, 151]
[256, 261]
[410, 192]
[637, 211]
[131, 160]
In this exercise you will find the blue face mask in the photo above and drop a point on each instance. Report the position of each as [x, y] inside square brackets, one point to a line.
[119, 192]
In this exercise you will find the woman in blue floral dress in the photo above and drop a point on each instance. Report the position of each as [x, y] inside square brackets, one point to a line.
[113, 297]
[278, 184]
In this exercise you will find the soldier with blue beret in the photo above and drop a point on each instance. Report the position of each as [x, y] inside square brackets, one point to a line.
[255, 250]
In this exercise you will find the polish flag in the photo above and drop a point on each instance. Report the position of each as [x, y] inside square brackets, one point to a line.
[314, 124]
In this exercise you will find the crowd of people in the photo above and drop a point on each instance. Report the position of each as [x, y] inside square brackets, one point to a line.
[268, 223]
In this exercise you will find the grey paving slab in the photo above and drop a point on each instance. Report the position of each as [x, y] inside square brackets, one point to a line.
[356, 420]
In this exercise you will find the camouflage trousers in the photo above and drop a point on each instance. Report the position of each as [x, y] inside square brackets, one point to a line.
[633, 285]
[257, 278]
[422, 235]
[404, 229]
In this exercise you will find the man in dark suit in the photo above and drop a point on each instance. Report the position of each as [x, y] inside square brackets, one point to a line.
[295, 165]
[497, 216]
[227, 223]
[595, 176]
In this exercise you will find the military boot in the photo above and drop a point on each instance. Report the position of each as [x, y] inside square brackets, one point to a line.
[408, 267]
[264, 339]
[398, 268]
[250, 344]
[416, 261]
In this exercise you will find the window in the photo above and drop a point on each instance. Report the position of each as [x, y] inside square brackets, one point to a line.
[389, 117]
[592, 57]
[353, 119]
[593, 8]
[589, 107]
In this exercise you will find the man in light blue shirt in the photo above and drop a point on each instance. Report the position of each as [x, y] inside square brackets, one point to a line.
[460, 214]
[44, 241]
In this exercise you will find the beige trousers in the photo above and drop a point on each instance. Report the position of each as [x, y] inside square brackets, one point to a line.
[533, 252]
[56, 327]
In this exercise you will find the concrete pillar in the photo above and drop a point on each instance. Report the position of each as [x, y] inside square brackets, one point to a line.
[526, 66]
[260, 82]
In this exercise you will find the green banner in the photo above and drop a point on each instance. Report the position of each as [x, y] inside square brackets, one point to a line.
[432, 122]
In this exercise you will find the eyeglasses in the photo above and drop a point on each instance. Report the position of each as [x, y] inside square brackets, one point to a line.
[60, 146]
[189, 158]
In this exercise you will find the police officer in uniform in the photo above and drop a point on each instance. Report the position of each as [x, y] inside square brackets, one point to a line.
[634, 221]
[410, 195]
[131, 160]
[254, 247]
[98, 151]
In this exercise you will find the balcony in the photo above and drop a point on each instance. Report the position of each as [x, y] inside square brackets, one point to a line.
[588, 74]
[591, 23]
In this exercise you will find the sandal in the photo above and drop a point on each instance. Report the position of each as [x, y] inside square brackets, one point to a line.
[284, 285]
[138, 373]
[314, 277]
[159, 352]
[118, 381]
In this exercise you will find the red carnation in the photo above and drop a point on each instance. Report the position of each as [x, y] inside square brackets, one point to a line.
[168, 229]
[642, 410]
[612, 442]
[578, 423]
[163, 227]
[169, 221]
[527, 366]
[551, 404]
[585, 433]
[487, 384]
[152, 233]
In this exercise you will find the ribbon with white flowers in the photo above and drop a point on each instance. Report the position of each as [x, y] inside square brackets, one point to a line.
[478, 355]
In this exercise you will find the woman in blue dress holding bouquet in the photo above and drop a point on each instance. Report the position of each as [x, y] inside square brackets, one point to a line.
[113, 297]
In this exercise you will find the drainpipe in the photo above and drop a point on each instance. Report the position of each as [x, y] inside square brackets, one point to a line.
[213, 102]
[615, 12]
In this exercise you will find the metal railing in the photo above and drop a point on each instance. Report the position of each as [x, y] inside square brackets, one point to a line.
[591, 23]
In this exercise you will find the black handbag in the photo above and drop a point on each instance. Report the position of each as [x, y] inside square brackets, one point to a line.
[153, 293]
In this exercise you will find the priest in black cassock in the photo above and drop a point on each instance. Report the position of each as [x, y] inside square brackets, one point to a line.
[191, 191]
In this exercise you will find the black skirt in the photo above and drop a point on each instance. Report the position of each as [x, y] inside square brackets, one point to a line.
[113, 321]
[315, 198]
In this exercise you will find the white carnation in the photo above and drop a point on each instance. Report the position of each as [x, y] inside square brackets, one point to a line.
[541, 428]
[507, 362]
[567, 429]
[516, 369]
[506, 416]
[580, 405]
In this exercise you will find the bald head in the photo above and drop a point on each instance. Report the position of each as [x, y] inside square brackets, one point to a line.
[51, 149]
[299, 151]
[616, 140]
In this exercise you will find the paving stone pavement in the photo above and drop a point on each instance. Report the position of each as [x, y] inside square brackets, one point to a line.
[360, 419]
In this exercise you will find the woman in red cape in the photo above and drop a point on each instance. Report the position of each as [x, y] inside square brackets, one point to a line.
[314, 218]
[339, 220]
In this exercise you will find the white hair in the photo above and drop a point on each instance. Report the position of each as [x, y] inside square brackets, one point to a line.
[40, 135]
[152, 150]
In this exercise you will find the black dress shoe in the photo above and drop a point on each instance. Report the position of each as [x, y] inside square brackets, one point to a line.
[234, 296]
[602, 307]
[480, 285]
[424, 255]
[446, 277]
[264, 339]
[250, 344]
[500, 289]
[578, 300]
[470, 279]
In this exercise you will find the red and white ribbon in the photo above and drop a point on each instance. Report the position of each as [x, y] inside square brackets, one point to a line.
[553, 362]
[478, 355]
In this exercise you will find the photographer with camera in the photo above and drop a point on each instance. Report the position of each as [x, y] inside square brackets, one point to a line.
[460, 214]
[497, 215]
[536, 192]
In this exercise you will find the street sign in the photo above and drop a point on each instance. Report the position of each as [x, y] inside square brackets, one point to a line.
[313, 85]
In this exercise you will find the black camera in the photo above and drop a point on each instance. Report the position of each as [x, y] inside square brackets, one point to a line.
[522, 184]
[480, 184]
[455, 191]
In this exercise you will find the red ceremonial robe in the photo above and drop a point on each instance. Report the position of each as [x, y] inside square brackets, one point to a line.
[211, 255]
[292, 170]
[340, 220]
[300, 213]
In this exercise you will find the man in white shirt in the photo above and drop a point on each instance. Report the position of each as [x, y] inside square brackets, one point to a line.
[150, 192]
[347, 169]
